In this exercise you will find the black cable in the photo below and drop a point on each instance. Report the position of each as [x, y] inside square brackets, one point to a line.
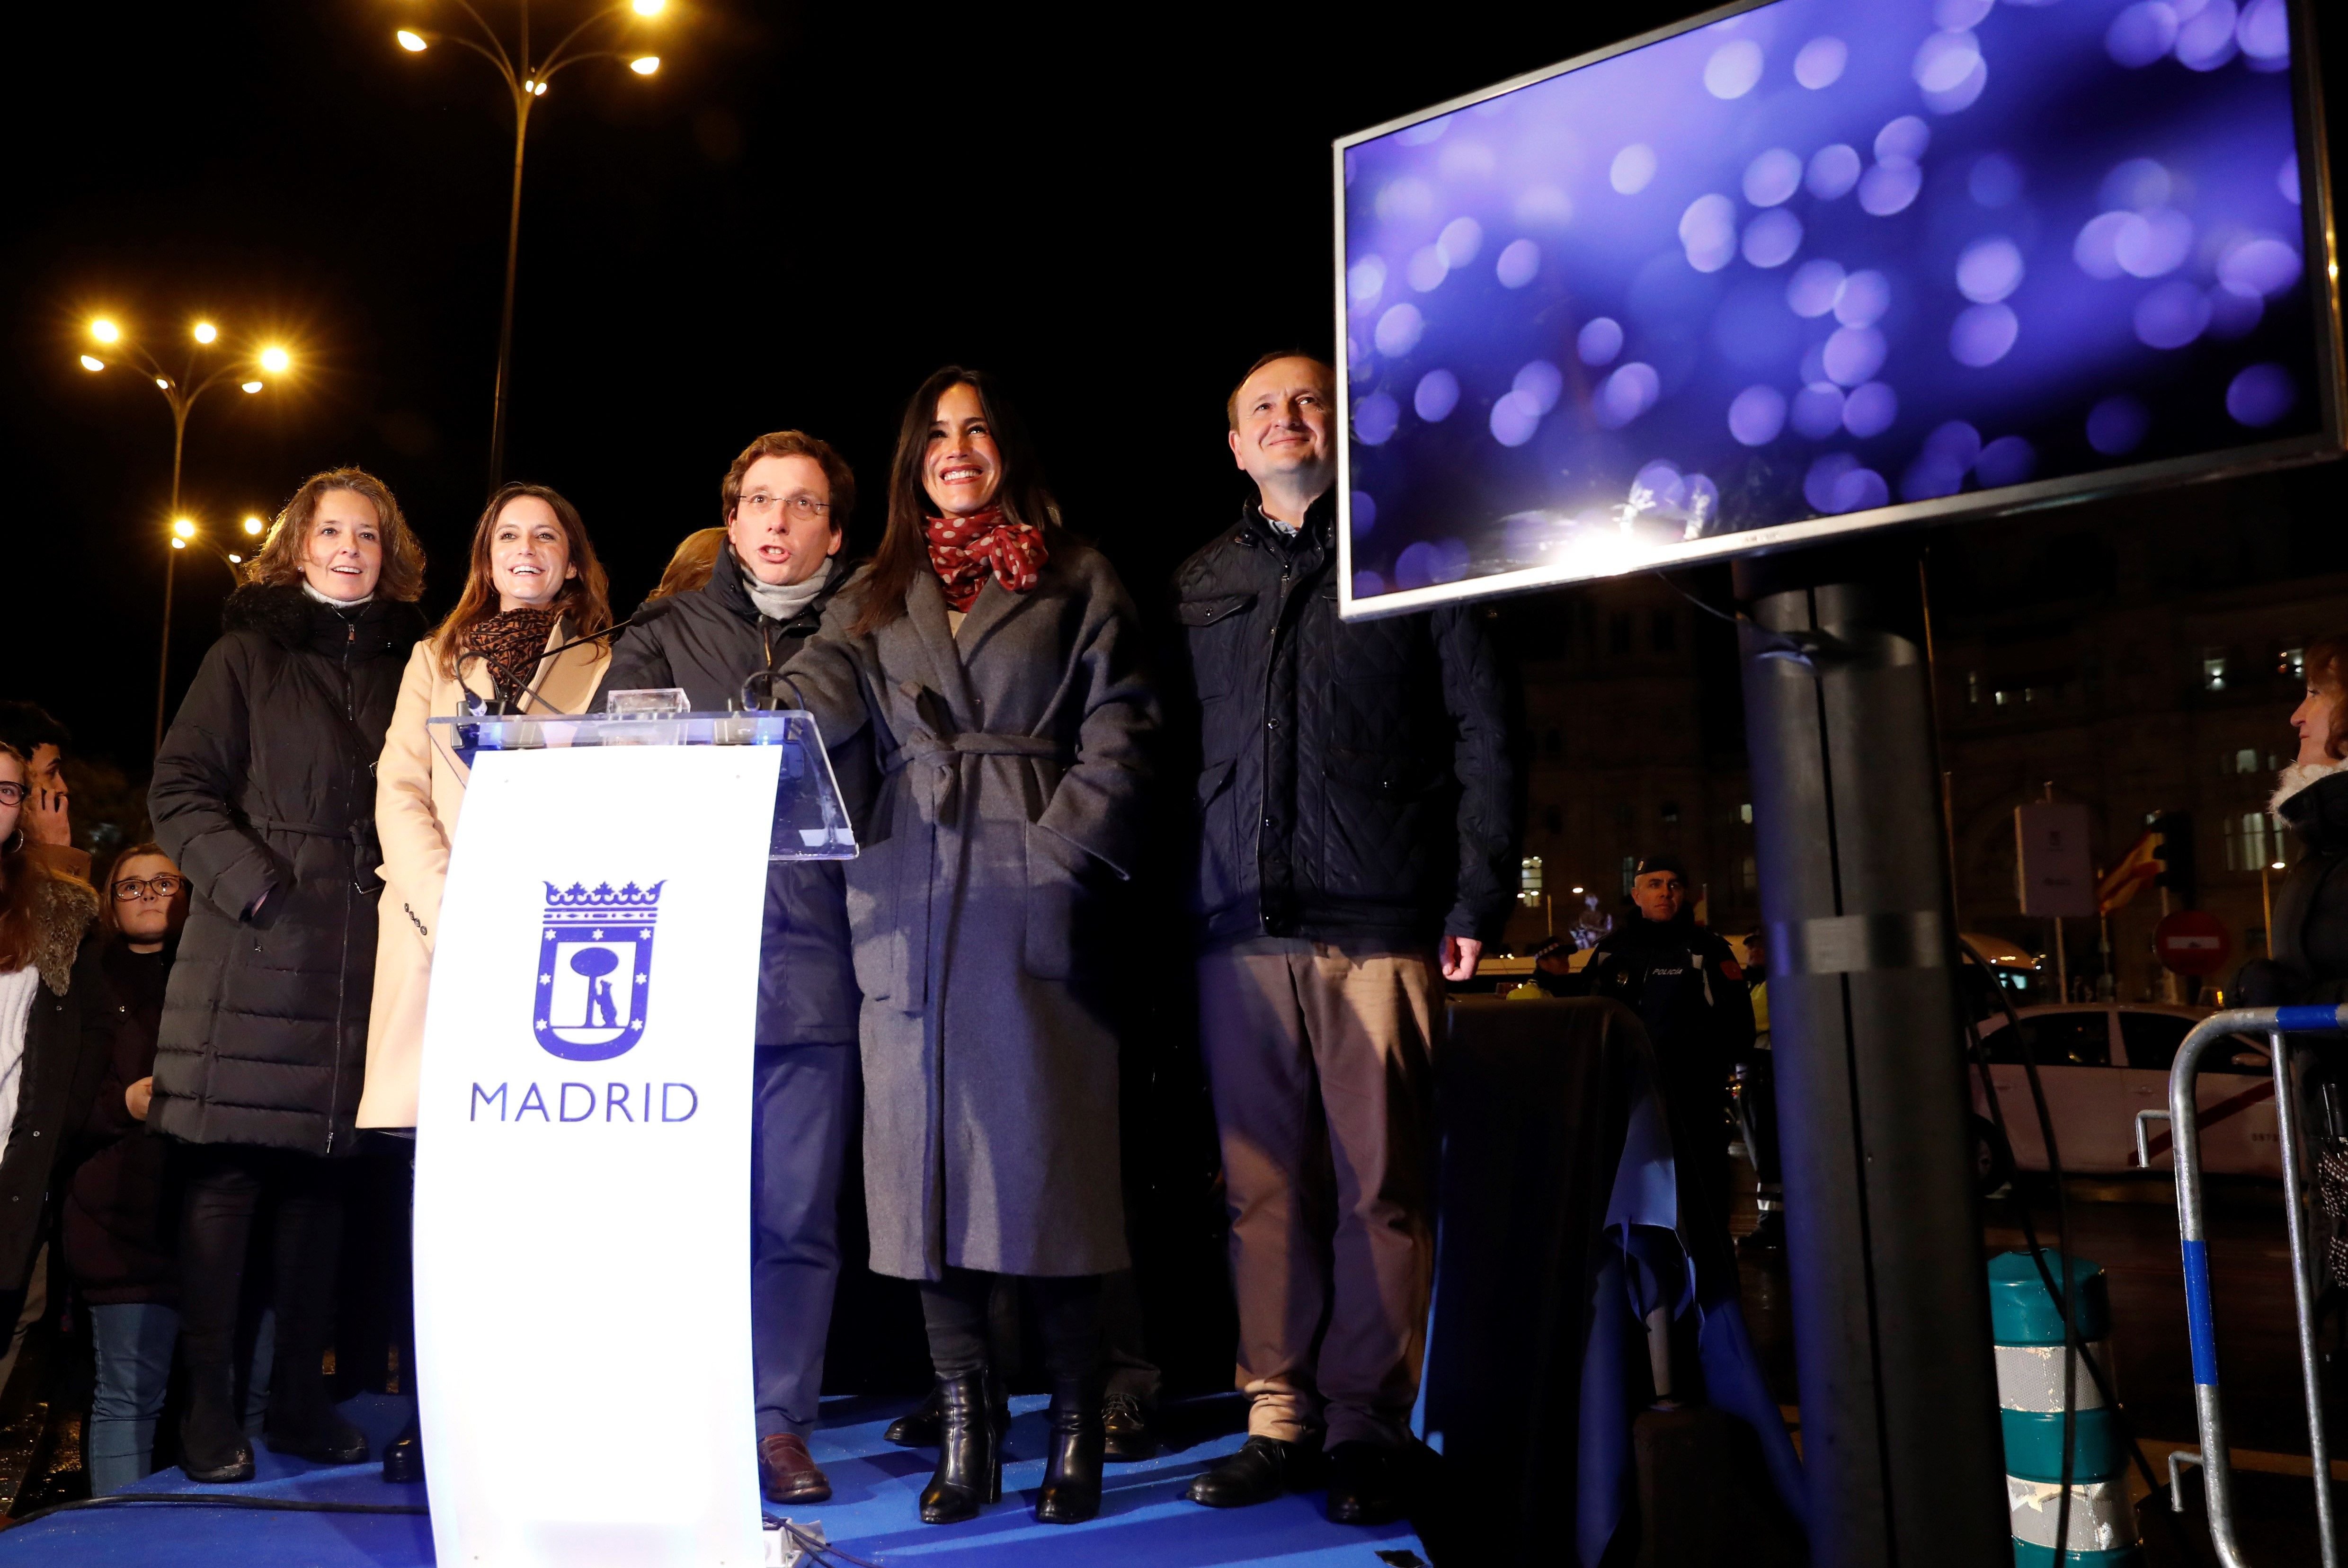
[208, 1499]
[2096, 1371]
[822, 1551]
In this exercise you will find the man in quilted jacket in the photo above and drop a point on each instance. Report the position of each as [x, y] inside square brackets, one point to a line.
[1354, 852]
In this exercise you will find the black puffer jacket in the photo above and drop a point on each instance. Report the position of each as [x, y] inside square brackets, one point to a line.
[120, 1212]
[714, 640]
[1353, 778]
[266, 785]
[2309, 965]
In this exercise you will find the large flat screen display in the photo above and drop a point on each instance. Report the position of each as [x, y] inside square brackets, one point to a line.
[1820, 265]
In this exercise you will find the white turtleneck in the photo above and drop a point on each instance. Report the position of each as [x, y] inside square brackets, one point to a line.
[330, 601]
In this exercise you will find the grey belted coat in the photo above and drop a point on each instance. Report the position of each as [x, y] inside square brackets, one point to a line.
[1011, 764]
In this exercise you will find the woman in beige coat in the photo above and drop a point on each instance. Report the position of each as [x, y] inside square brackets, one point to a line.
[533, 583]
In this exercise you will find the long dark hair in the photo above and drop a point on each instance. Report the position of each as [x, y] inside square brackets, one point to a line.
[2327, 666]
[904, 553]
[586, 598]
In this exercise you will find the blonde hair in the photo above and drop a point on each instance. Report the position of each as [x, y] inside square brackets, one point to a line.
[689, 569]
[280, 560]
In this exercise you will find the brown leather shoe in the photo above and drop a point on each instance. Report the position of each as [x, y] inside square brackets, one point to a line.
[787, 1472]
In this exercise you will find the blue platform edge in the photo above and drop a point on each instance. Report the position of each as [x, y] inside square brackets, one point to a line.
[1144, 1522]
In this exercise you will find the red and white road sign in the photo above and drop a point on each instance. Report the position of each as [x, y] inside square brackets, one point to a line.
[2192, 941]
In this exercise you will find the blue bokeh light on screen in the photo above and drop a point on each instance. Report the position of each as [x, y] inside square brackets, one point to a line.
[1823, 256]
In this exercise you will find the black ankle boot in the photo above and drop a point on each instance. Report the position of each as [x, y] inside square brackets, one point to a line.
[403, 1457]
[970, 1453]
[918, 1427]
[301, 1419]
[1072, 1475]
[213, 1446]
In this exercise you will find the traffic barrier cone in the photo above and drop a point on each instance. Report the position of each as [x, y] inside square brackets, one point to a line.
[2027, 1330]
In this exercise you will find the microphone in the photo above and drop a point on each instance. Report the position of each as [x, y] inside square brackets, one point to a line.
[647, 613]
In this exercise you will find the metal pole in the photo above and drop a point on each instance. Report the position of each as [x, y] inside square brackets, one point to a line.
[506, 317]
[2294, 1203]
[179, 406]
[1902, 1447]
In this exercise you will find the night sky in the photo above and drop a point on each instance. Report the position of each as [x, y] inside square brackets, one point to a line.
[806, 210]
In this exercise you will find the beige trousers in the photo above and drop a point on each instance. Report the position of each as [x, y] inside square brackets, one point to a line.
[1319, 1060]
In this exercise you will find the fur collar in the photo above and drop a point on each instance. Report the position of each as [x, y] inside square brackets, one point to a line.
[2298, 777]
[63, 908]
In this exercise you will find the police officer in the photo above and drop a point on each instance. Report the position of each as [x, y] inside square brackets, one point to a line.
[1688, 988]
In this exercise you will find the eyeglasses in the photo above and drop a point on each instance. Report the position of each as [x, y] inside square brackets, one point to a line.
[804, 508]
[12, 793]
[165, 886]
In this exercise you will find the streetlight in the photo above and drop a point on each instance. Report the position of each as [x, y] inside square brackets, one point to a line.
[182, 392]
[526, 81]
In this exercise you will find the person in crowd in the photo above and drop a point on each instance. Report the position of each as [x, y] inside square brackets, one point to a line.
[786, 499]
[1756, 1108]
[532, 584]
[2307, 947]
[1686, 986]
[688, 569]
[54, 1012]
[1354, 852]
[264, 793]
[989, 661]
[47, 821]
[119, 1216]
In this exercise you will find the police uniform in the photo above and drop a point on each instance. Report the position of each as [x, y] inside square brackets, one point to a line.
[1687, 987]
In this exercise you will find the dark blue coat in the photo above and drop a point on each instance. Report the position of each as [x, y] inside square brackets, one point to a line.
[714, 640]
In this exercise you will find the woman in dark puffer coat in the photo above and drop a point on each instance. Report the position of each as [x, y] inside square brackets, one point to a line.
[265, 794]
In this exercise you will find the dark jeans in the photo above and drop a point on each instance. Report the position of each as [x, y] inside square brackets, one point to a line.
[1067, 1315]
[804, 1102]
[225, 1186]
[133, 1341]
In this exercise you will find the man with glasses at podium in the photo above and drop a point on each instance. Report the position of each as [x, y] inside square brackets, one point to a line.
[786, 502]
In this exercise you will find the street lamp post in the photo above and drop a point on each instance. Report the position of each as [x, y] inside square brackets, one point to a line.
[526, 82]
[182, 392]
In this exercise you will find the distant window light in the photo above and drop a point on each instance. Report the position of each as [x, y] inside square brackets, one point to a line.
[1663, 631]
[2292, 664]
[2213, 670]
[2003, 697]
[1744, 813]
[1670, 810]
[2029, 694]
[2246, 760]
[1629, 873]
[1748, 874]
[1972, 688]
[2248, 840]
[1528, 882]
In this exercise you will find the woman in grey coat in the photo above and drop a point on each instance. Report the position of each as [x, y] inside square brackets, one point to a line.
[991, 661]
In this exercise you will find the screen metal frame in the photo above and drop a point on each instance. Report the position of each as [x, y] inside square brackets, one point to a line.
[2319, 243]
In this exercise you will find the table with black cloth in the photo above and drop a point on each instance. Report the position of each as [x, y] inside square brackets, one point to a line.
[1560, 1215]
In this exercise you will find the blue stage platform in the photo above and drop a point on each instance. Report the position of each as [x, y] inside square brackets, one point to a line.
[1144, 1521]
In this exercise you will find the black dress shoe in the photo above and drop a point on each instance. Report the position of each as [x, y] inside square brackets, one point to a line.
[1124, 1428]
[1369, 1483]
[1072, 1473]
[917, 1428]
[320, 1436]
[1262, 1469]
[970, 1454]
[403, 1457]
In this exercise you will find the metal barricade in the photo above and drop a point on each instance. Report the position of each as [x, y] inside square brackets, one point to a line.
[2277, 1024]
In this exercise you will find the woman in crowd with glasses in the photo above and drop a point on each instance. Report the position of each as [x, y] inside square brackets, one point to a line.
[990, 660]
[265, 795]
[118, 1218]
[531, 585]
[54, 1014]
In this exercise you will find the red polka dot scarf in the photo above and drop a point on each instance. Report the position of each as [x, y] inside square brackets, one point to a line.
[965, 550]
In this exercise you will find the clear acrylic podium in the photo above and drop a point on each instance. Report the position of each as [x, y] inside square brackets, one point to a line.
[810, 820]
[584, 1128]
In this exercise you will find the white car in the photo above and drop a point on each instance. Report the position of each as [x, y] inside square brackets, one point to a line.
[2101, 1063]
